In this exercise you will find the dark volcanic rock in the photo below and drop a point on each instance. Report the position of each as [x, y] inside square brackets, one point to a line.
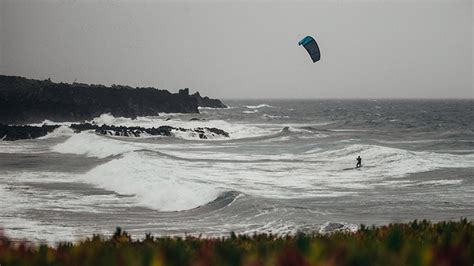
[207, 102]
[123, 130]
[25, 101]
[138, 131]
[215, 131]
[30, 132]
[24, 132]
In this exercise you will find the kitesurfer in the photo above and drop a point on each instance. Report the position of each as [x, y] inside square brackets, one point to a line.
[359, 162]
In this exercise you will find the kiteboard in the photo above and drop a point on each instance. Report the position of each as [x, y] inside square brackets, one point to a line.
[352, 168]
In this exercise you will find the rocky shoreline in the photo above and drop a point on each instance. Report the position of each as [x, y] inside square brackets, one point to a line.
[123, 131]
[12, 133]
[26, 101]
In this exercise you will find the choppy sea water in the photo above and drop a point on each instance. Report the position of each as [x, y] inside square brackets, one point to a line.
[288, 166]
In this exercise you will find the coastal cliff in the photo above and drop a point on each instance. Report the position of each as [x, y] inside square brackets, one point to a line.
[207, 102]
[25, 101]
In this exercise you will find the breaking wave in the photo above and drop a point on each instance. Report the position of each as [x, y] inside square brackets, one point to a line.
[63, 130]
[235, 130]
[250, 111]
[332, 227]
[175, 177]
[266, 116]
[258, 106]
[159, 184]
[93, 145]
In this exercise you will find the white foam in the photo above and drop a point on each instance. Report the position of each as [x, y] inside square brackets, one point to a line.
[209, 108]
[109, 119]
[162, 184]
[235, 130]
[49, 122]
[332, 227]
[192, 135]
[410, 141]
[316, 172]
[302, 130]
[90, 144]
[298, 125]
[351, 130]
[275, 227]
[314, 136]
[386, 161]
[266, 116]
[19, 228]
[22, 146]
[21, 191]
[442, 182]
[194, 173]
[18, 195]
[58, 132]
[258, 106]
[250, 112]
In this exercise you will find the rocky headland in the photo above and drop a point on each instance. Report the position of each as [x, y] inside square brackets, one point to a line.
[24, 101]
[207, 102]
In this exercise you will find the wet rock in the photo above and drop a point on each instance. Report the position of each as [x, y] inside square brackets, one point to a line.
[140, 131]
[31, 132]
[207, 102]
[10, 133]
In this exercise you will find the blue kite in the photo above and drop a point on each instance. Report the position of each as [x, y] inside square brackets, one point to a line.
[312, 47]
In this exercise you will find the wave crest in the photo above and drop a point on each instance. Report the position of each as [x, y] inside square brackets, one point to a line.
[235, 130]
[154, 183]
[258, 106]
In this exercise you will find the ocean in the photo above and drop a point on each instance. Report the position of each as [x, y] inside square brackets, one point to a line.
[287, 167]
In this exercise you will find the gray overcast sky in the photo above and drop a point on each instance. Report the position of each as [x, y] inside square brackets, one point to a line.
[246, 49]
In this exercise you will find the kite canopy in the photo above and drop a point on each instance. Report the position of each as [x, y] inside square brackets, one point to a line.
[312, 47]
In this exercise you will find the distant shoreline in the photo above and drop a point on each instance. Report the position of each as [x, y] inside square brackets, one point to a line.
[24, 101]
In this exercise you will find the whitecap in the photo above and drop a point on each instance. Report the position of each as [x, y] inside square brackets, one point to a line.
[250, 112]
[162, 184]
[63, 130]
[258, 106]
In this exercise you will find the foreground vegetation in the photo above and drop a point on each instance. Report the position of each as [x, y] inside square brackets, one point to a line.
[414, 243]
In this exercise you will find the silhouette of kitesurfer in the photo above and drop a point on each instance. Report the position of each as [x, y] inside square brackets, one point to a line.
[359, 162]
